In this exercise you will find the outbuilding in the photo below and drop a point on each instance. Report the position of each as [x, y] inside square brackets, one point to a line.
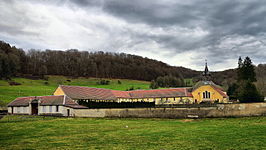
[56, 105]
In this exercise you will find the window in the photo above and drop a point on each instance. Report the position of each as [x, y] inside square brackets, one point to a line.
[206, 94]
[50, 109]
[18, 109]
[44, 109]
[57, 109]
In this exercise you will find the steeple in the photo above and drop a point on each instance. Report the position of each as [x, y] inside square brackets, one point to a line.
[206, 74]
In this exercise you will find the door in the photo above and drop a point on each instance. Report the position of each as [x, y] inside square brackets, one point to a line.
[68, 112]
[12, 110]
[34, 108]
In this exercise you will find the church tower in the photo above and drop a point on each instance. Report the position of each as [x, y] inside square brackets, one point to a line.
[206, 74]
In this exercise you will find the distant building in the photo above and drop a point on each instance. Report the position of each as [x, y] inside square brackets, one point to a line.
[44, 105]
[68, 98]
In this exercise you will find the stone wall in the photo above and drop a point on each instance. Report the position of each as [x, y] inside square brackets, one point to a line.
[221, 110]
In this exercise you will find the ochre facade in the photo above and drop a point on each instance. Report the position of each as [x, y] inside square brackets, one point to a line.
[214, 95]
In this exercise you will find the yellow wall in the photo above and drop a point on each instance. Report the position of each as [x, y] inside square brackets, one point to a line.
[214, 95]
[176, 100]
[59, 91]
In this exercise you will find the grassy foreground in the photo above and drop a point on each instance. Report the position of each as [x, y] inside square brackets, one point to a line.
[30, 87]
[20, 132]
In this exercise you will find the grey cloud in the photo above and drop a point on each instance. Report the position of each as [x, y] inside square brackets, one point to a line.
[222, 21]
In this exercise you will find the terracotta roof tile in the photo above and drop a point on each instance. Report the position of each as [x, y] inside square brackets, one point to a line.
[173, 92]
[44, 100]
[78, 92]
[219, 90]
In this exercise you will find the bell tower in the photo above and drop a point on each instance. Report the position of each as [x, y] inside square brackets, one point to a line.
[206, 74]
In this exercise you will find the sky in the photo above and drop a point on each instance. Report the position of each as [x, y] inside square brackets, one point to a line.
[177, 32]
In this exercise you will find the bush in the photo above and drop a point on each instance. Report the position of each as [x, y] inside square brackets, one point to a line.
[130, 89]
[119, 82]
[103, 82]
[13, 83]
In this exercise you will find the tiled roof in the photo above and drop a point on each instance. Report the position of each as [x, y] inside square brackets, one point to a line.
[45, 100]
[78, 92]
[76, 106]
[55, 100]
[219, 90]
[21, 101]
[202, 83]
[173, 92]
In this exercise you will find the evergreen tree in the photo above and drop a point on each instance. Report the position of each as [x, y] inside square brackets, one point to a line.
[248, 71]
[232, 91]
[245, 90]
[249, 93]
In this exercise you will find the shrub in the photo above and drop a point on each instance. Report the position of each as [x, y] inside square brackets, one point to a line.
[119, 82]
[13, 83]
[103, 82]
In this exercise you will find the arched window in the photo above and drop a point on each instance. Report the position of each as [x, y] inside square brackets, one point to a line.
[206, 94]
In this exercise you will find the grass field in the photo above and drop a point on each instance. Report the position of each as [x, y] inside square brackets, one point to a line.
[20, 132]
[42, 87]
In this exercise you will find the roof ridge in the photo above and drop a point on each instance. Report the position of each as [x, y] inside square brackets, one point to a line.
[38, 96]
[86, 87]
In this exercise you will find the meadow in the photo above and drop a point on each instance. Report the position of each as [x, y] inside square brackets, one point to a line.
[29, 132]
[31, 87]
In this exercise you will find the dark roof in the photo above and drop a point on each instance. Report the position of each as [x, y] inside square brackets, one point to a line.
[21, 101]
[78, 92]
[45, 101]
[202, 83]
[55, 100]
[76, 106]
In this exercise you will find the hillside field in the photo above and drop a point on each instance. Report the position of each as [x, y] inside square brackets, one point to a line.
[31, 87]
[29, 132]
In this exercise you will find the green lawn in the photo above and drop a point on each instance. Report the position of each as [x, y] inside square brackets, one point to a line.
[18, 132]
[39, 87]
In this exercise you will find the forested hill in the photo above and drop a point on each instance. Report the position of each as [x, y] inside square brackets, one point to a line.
[14, 61]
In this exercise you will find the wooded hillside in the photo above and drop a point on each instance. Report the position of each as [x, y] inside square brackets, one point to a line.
[84, 64]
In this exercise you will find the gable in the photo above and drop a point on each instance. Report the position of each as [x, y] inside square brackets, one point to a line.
[59, 91]
[209, 88]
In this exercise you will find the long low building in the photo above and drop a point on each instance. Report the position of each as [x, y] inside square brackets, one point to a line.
[54, 105]
[157, 96]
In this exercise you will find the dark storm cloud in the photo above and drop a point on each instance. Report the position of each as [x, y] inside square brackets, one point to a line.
[219, 31]
[220, 18]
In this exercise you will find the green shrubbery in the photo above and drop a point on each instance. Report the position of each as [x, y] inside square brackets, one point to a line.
[167, 81]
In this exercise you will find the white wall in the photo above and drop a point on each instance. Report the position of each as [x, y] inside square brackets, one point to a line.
[71, 111]
[49, 109]
[52, 110]
[19, 110]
